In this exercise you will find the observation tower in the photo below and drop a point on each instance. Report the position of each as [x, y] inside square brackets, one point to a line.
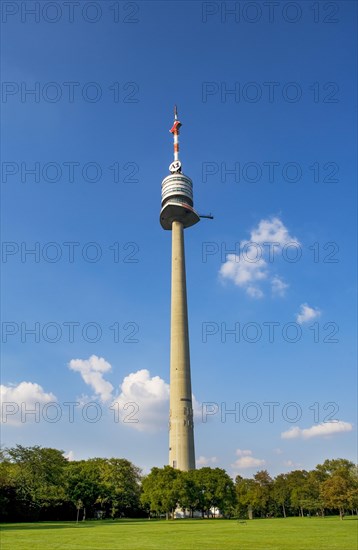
[177, 214]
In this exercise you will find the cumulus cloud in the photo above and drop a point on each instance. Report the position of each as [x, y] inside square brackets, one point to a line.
[246, 460]
[291, 464]
[206, 461]
[70, 456]
[245, 274]
[17, 399]
[242, 452]
[143, 401]
[278, 286]
[251, 267]
[324, 429]
[91, 371]
[307, 314]
[272, 231]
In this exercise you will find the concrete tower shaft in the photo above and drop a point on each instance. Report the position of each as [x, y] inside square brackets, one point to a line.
[181, 426]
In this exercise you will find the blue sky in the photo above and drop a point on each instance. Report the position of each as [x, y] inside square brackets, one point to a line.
[275, 162]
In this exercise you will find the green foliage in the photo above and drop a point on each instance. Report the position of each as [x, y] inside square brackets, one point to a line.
[160, 493]
[216, 488]
[121, 480]
[111, 486]
[281, 493]
[165, 489]
[337, 492]
[40, 483]
[244, 494]
[33, 479]
[189, 494]
[332, 485]
[83, 482]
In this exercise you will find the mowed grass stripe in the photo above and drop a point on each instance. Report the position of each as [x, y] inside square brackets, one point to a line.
[268, 534]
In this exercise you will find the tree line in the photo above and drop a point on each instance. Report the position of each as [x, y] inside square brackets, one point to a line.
[38, 483]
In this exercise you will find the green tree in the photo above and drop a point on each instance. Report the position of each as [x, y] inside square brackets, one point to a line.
[245, 491]
[8, 494]
[335, 492]
[338, 488]
[37, 474]
[336, 465]
[121, 485]
[83, 484]
[159, 492]
[281, 492]
[312, 500]
[297, 482]
[189, 493]
[216, 490]
[353, 490]
[263, 489]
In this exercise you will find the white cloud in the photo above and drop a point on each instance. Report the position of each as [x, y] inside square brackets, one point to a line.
[254, 292]
[291, 464]
[144, 401]
[92, 371]
[197, 409]
[307, 314]
[241, 452]
[16, 400]
[246, 460]
[245, 274]
[206, 461]
[278, 286]
[251, 267]
[320, 430]
[272, 231]
[70, 456]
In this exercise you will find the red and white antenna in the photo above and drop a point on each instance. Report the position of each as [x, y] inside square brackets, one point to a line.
[177, 190]
[176, 165]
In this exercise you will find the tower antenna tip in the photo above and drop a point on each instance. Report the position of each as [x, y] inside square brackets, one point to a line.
[175, 112]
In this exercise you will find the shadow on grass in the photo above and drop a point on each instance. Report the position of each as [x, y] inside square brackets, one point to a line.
[68, 524]
[33, 526]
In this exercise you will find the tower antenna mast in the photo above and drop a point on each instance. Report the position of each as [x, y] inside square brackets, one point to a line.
[175, 131]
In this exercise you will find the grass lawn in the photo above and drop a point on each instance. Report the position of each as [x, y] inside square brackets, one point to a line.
[268, 534]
